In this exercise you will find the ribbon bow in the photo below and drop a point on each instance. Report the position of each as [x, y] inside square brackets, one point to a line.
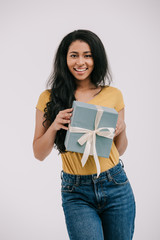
[90, 138]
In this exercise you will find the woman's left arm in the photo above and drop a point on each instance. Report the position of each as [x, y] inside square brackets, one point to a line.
[120, 138]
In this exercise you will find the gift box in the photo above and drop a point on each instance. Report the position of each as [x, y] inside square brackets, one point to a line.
[91, 131]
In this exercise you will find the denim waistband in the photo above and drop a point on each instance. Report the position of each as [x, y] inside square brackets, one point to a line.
[76, 179]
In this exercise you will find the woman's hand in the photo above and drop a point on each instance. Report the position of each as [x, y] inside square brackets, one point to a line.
[119, 127]
[120, 138]
[62, 118]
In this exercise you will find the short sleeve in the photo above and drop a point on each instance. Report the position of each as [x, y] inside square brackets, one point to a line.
[44, 98]
[119, 101]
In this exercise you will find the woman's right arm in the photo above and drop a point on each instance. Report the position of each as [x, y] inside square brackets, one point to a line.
[44, 137]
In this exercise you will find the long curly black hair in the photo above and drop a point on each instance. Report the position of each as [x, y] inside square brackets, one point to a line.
[62, 83]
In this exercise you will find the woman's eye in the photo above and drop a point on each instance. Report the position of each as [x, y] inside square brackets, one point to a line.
[73, 55]
[88, 56]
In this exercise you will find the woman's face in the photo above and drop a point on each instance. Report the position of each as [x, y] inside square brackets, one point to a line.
[79, 60]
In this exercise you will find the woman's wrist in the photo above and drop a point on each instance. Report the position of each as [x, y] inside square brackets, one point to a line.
[53, 127]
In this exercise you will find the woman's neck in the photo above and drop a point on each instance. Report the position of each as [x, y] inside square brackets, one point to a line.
[85, 86]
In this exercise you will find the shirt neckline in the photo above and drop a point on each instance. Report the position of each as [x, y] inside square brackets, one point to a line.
[98, 94]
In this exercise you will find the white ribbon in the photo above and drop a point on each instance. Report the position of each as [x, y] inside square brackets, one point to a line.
[90, 138]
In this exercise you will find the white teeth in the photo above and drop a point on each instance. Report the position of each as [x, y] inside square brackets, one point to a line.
[80, 70]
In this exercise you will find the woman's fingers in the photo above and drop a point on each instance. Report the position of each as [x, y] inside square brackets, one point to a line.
[63, 117]
[64, 127]
[65, 121]
[119, 128]
[67, 110]
[66, 113]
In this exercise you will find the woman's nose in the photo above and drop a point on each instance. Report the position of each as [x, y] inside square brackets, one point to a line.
[80, 61]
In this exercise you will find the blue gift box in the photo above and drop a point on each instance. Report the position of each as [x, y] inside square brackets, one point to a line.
[83, 116]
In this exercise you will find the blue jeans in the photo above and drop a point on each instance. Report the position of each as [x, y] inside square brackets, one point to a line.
[100, 208]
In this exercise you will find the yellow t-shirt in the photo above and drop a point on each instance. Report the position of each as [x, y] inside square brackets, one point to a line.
[71, 161]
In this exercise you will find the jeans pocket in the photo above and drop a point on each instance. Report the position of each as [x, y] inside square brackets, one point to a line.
[120, 178]
[67, 187]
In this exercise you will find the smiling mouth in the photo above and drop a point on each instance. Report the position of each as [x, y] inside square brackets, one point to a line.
[80, 70]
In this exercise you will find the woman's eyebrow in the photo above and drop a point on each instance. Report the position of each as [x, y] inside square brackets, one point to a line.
[84, 52]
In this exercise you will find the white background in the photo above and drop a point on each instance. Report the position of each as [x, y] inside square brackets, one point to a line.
[30, 32]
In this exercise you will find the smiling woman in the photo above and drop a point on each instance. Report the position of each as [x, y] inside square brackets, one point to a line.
[100, 208]
[80, 63]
